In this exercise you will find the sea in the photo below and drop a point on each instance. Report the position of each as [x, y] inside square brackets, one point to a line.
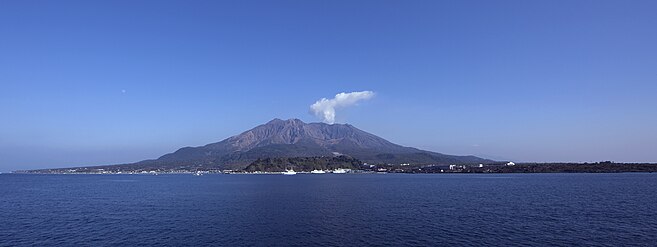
[329, 210]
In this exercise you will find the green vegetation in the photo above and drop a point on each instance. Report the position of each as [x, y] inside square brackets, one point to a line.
[598, 167]
[303, 164]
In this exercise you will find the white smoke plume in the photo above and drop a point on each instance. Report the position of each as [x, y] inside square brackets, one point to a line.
[325, 108]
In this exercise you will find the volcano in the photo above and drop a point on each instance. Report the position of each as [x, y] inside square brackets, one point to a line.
[294, 138]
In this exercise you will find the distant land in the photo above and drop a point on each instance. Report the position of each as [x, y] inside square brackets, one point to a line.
[293, 144]
[291, 138]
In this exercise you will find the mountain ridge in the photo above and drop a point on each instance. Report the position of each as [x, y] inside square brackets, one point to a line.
[295, 138]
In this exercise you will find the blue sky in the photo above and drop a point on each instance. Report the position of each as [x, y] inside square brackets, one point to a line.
[105, 82]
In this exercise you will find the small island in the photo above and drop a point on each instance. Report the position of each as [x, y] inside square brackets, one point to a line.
[281, 145]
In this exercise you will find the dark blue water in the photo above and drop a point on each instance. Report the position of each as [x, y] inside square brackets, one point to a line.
[329, 210]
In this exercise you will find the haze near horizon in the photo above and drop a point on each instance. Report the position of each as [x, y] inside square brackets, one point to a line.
[107, 82]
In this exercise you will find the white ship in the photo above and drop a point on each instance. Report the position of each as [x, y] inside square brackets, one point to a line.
[339, 171]
[289, 172]
[317, 172]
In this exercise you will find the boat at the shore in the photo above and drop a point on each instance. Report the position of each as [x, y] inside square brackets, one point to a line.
[317, 172]
[339, 171]
[289, 172]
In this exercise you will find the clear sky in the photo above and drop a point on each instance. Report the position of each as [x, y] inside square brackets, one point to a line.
[105, 82]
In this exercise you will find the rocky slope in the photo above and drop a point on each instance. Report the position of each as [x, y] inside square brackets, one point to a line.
[294, 138]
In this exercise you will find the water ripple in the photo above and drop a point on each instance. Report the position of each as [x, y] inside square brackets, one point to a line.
[359, 210]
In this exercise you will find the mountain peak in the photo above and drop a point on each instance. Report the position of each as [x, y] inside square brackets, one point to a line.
[275, 120]
[289, 121]
[294, 138]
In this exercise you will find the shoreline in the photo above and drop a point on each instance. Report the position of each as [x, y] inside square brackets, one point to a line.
[330, 174]
[503, 168]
